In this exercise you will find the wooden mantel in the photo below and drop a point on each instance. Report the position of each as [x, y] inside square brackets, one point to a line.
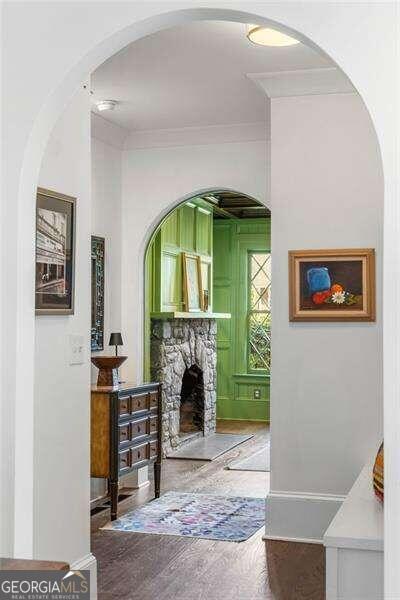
[189, 315]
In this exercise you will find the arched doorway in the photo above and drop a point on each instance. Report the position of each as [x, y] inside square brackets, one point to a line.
[227, 233]
[26, 334]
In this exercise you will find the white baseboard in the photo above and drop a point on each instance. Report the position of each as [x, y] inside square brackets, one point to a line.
[299, 517]
[88, 562]
[292, 539]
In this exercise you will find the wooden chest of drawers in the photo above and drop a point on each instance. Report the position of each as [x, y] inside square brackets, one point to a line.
[125, 434]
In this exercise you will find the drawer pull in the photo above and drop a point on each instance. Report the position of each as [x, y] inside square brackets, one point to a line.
[123, 434]
[124, 461]
[139, 403]
[138, 454]
[124, 406]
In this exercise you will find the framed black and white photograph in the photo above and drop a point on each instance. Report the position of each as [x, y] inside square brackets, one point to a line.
[55, 253]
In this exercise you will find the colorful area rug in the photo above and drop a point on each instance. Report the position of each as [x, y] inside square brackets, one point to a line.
[230, 519]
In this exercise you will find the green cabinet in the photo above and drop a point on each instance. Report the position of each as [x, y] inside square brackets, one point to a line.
[188, 228]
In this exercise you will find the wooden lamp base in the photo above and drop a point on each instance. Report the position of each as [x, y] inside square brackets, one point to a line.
[108, 369]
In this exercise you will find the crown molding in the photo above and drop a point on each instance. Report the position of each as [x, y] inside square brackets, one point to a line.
[304, 82]
[197, 136]
[107, 132]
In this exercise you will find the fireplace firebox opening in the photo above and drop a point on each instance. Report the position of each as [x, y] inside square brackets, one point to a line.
[192, 401]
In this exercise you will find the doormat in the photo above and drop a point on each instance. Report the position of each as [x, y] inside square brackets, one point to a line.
[210, 447]
[225, 518]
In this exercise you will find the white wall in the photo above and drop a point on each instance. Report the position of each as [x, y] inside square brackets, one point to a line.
[61, 442]
[154, 181]
[106, 222]
[106, 166]
[326, 386]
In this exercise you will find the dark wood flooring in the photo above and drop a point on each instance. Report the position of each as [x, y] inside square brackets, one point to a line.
[153, 567]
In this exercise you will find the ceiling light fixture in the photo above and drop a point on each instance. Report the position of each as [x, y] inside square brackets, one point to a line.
[106, 105]
[264, 36]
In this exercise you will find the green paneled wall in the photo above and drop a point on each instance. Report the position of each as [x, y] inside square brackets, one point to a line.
[233, 240]
[189, 228]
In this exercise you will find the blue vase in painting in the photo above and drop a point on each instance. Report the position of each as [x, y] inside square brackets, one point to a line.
[318, 279]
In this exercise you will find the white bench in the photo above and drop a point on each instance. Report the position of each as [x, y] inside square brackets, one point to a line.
[354, 545]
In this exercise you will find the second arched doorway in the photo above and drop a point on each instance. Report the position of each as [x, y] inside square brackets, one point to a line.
[208, 314]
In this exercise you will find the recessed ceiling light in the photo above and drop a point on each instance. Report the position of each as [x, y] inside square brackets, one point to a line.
[106, 105]
[264, 36]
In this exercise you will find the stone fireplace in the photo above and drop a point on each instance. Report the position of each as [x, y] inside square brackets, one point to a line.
[183, 359]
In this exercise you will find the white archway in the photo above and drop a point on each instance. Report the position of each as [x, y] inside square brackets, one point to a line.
[19, 357]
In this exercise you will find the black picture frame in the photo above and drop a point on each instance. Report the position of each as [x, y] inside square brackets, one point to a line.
[97, 287]
[55, 253]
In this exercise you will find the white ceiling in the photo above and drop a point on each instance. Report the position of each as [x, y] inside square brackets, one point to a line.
[193, 76]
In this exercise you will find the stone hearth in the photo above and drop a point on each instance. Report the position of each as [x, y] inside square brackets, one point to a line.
[184, 359]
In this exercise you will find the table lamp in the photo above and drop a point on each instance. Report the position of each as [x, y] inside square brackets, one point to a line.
[115, 340]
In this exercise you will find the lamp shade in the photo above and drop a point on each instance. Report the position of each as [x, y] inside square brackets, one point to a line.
[115, 340]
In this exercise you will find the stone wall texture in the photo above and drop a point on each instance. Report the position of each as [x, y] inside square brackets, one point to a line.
[177, 344]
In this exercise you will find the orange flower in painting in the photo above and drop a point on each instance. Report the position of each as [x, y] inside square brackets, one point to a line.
[336, 288]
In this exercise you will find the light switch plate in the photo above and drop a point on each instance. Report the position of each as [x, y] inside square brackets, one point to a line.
[76, 349]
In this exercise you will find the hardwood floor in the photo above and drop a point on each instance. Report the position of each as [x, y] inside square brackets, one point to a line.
[153, 567]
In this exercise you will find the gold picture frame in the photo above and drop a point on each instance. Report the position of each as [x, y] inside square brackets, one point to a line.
[192, 283]
[332, 285]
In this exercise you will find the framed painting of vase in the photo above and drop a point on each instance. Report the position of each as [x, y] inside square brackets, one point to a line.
[332, 285]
